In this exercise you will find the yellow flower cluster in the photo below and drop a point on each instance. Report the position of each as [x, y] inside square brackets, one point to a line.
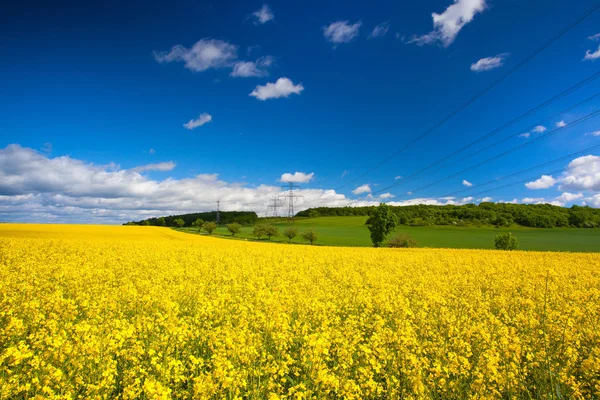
[89, 312]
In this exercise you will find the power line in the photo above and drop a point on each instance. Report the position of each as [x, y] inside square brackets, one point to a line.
[480, 94]
[508, 124]
[274, 204]
[498, 156]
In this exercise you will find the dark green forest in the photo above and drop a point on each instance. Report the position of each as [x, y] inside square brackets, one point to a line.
[498, 214]
[226, 217]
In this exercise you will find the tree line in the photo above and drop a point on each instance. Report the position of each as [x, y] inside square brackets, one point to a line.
[225, 217]
[497, 214]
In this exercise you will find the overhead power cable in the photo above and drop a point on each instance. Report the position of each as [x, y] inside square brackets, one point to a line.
[479, 94]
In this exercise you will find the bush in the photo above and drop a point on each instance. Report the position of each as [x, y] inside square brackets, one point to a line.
[290, 233]
[506, 241]
[402, 240]
[310, 235]
[234, 228]
[209, 227]
[179, 223]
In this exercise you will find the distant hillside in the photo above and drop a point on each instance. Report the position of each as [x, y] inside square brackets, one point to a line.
[226, 217]
[499, 214]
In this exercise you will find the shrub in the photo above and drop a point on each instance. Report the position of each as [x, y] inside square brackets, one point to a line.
[209, 227]
[234, 228]
[290, 233]
[402, 240]
[179, 223]
[506, 241]
[310, 235]
[198, 224]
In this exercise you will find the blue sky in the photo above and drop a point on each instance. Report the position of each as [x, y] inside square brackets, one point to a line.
[282, 87]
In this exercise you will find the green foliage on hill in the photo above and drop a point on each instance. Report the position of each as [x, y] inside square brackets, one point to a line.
[226, 217]
[498, 214]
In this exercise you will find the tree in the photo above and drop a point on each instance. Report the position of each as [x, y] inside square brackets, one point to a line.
[402, 240]
[209, 227]
[313, 214]
[310, 235]
[506, 241]
[259, 231]
[179, 222]
[381, 222]
[271, 230]
[234, 228]
[145, 223]
[161, 221]
[290, 233]
[198, 224]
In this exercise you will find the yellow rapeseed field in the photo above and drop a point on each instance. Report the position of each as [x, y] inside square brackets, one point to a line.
[142, 312]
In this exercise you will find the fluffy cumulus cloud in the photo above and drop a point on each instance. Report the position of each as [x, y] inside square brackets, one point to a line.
[489, 63]
[592, 55]
[448, 24]
[248, 69]
[467, 183]
[561, 124]
[297, 177]
[539, 129]
[204, 118]
[386, 196]
[283, 87]
[525, 135]
[544, 182]
[263, 15]
[341, 31]
[163, 166]
[362, 189]
[379, 30]
[582, 174]
[203, 55]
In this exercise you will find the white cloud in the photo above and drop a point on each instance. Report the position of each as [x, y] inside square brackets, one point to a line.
[341, 31]
[561, 124]
[513, 201]
[595, 37]
[379, 30]
[567, 197]
[163, 166]
[583, 173]
[297, 177]
[362, 189]
[448, 24]
[525, 135]
[592, 56]
[283, 87]
[489, 63]
[486, 199]
[467, 183]
[539, 129]
[533, 200]
[597, 133]
[263, 15]
[386, 196]
[544, 182]
[151, 151]
[205, 54]
[204, 118]
[246, 69]
[398, 177]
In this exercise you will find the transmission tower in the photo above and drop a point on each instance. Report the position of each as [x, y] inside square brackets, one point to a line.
[218, 216]
[274, 204]
[291, 196]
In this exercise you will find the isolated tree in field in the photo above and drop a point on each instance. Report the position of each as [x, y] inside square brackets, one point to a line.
[234, 228]
[310, 235]
[198, 224]
[259, 231]
[381, 223]
[209, 227]
[290, 233]
[179, 223]
[271, 230]
[161, 221]
[506, 241]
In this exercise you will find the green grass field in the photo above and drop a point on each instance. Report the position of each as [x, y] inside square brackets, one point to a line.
[352, 231]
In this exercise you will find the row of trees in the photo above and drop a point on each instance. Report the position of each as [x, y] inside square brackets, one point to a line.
[270, 230]
[498, 214]
[225, 217]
